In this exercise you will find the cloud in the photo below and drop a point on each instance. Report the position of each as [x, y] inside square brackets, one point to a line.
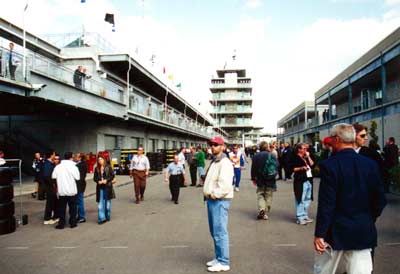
[253, 3]
[392, 2]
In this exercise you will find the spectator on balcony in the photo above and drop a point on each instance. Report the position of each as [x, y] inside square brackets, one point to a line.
[13, 61]
[84, 77]
[78, 77]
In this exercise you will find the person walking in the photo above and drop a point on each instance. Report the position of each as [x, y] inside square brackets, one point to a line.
[103, 177]
[66, 174]
[263, 172]
[201, 163]
[192, 162]
[280, 151]
[50, 211]
[139, 170]
[176, 176]
[301, 165]
[349, 202]
[81, 185]
[218, 192]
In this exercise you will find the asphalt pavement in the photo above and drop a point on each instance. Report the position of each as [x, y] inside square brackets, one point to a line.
[158, 236]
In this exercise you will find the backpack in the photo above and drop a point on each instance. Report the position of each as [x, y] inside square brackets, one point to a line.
[269, 170]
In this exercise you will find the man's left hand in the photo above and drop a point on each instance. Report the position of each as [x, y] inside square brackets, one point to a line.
[319, 245]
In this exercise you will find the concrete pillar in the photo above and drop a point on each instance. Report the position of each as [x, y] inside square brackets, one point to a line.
[384, 99]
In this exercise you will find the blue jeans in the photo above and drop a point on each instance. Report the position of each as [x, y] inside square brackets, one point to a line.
[236, 179]
[81, 206]
[104, 206]
[302, 207]
[218, 223]
[200, 171]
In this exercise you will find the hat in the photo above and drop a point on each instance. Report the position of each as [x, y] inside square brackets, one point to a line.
[217, 140]
[327, 141]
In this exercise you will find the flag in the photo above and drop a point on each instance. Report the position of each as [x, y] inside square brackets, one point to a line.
[171, 77]
[83, 1]
[110, 19]
[179, 86]
[163, 70]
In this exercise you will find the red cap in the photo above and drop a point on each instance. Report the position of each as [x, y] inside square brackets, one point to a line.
[327, 141]
[217, 140]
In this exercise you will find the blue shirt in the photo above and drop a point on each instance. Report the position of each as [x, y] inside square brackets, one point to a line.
[175, 168]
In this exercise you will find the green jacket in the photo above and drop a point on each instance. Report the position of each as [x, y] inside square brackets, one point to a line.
[201, 159]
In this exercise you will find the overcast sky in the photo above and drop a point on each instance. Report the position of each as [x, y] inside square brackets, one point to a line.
[290, 48]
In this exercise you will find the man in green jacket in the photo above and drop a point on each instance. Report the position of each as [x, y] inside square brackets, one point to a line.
[201, 163]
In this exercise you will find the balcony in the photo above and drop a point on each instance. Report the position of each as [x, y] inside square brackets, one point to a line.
[232, 110]
[231, 97]
[235, 124]
[230, 86]
[139, 103]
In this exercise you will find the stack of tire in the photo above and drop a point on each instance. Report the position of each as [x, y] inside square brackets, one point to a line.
[7, 206]
[156, 160]
[169, 155]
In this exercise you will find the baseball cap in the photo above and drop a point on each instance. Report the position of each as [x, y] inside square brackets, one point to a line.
[217, 140]
[327, 141]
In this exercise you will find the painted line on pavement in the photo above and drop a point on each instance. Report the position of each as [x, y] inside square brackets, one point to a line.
[18, 247]
[175, 246]
[64, 247]
[114, 247]
[284, 245]
[392, 244]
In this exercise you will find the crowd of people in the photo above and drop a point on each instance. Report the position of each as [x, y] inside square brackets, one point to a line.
[351, 197]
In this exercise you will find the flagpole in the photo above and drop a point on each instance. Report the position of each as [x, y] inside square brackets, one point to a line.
[24, 43]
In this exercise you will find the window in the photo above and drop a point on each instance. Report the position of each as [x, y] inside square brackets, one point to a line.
[110, 142]
[365, 99]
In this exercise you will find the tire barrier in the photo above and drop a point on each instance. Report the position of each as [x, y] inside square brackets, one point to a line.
[7, 206]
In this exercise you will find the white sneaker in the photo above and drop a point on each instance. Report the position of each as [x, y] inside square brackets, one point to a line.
[49, 222]
[218, 268]
[236, 189]
[308, 220]
[265, 217]
[212, 263]
[52, 222]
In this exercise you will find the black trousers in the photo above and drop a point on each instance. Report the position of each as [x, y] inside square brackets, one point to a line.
[193, 174]
[62, 207]
[175, 182]
[51, 203]
[280, 167]
[12, 70]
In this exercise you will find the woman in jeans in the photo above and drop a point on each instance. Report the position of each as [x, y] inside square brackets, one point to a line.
[301, 165]
[103, 176]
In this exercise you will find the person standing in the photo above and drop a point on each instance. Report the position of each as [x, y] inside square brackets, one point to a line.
[78, 77]
[362, 149]
[103, 177]
[36, 166]
[280, 151]
[66, 174]
[287, 157]
[391, 155]
[301, 165]
[349, 202]
[201, 163]
[182, 161]
[218, 192]
[50, 211]
[139, 170]
[192, 166]
[81, 185]
[265, 182]
[236, 158]
[176, 176]
[13, 61]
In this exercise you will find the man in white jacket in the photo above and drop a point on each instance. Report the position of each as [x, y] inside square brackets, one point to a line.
[218, 191]
[66, 174]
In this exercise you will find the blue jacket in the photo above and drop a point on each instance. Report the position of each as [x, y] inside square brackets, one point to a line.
[350, 199]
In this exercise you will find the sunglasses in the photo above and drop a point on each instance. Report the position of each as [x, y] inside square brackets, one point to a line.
[214, 145]
[363, 135]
